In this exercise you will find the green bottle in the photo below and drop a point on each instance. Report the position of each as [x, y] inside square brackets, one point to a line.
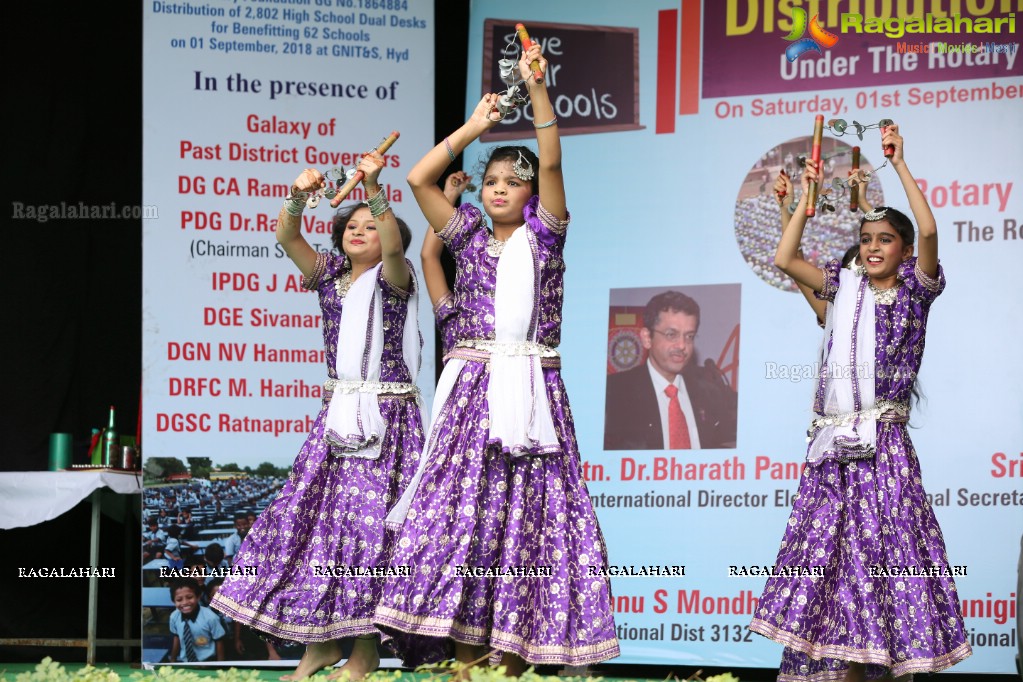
[111, 443]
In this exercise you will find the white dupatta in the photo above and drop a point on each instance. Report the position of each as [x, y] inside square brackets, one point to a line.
[848, 428]
[354, 426]
[520, 414]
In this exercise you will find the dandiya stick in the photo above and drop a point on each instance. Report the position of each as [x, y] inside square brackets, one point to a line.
[815, 156]
[854, 191]
[526, 44]
[346, 188]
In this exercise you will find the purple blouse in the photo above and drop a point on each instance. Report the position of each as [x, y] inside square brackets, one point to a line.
[900, 327]
[328, 272]
[466, 236]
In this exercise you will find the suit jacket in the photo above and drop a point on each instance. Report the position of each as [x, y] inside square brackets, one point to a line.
[632, 419]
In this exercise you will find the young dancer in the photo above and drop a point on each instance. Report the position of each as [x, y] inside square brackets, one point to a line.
[312, 547]
[498, 526]
[861, 512]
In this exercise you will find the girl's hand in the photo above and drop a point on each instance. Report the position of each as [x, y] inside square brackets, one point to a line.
[857, 178]
[782, 187]
[371, 164]
[810, 174]
[309, 181]
[533, 53]
[485, 116]
[454, 185]
[891, 137]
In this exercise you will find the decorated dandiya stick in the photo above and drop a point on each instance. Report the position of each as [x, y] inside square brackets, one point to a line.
[815, 156]
[854, 190]
[357, 177]
[526, 44]
[889, 149]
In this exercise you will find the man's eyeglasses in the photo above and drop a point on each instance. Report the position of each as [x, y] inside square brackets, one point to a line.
[673, 335]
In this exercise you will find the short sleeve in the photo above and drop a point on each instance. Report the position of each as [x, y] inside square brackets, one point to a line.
[326, 268]
[922, 287]
[216, 627]
[547, 227]
[388, 288]
[175, 624]
[830, 272]
[458, 231]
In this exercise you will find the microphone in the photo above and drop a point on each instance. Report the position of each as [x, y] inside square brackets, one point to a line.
[358, 175]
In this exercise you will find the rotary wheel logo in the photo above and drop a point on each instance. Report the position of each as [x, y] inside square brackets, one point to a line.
[818, 36]
[624, 350]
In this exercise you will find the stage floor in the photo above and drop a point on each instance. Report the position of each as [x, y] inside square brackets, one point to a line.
[270, 671]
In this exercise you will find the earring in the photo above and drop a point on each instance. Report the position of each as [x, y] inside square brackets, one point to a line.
[523, 173]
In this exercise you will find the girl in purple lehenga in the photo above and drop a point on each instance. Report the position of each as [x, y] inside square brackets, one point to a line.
[861, 513]
[498, 529]
[314, 549]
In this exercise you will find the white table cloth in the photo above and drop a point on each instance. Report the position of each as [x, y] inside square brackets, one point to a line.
[31, 497]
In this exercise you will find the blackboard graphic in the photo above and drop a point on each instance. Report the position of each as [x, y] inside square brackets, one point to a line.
[593, 76]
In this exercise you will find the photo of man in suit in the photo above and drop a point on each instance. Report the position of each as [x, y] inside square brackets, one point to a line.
[670, 402]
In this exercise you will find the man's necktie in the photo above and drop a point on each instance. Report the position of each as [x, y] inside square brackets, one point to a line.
[678, 430]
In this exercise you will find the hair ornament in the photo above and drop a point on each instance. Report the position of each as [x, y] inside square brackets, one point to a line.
[523, 173]
[876, 214]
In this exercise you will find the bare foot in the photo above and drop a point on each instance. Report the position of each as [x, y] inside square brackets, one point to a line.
[856, 672]
[514, 666]
[468, 656]
[317, 656]
[364, 660]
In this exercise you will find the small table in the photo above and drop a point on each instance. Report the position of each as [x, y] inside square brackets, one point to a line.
[31, 497]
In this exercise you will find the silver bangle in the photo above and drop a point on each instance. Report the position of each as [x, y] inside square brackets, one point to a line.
[294, 206]
[548, 124]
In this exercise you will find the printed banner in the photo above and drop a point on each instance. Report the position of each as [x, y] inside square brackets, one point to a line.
[684, 203]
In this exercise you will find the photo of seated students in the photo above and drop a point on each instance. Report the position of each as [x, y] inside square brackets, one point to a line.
[197, 519]
[197, 630]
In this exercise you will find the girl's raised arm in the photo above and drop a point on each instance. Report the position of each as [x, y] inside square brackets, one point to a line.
[424, 175]
[548, 141]
[289, 222]
[433, 247]
[783, 190]
[391, 252]
[927, 227]
[787, 258]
